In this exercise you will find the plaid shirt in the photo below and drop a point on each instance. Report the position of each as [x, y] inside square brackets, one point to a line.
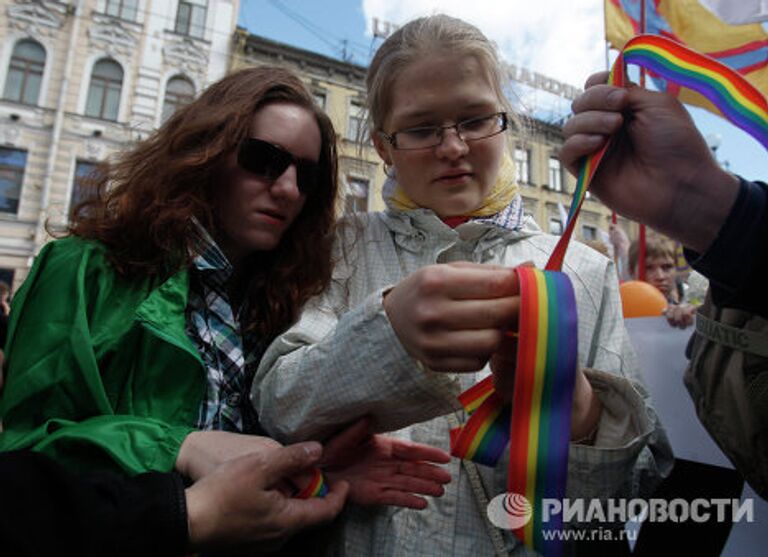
[230, 357]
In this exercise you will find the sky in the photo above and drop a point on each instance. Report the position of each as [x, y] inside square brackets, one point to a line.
[562, 39]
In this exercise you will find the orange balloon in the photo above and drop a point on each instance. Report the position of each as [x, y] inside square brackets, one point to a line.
[641, 299]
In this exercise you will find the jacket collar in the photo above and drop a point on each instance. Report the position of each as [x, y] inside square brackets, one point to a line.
[164, 307]
[416, 228]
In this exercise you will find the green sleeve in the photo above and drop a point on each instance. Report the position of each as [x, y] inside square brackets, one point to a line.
[87, 382]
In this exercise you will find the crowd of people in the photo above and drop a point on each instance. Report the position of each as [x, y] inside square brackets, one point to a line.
[207, 334]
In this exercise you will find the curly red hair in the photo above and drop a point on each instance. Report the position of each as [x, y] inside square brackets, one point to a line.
[141, 205]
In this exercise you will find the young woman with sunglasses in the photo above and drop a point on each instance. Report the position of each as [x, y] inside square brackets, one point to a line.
[134, 340]
[426, 288]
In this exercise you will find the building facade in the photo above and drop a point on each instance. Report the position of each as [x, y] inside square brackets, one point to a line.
[80, 80]
[339, 87]
[83, 79]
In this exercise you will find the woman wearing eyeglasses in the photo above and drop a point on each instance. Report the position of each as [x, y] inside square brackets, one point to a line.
[425, 289]
[134, 340]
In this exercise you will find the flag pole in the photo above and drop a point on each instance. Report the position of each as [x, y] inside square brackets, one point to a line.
[614, 219]
[641, 239]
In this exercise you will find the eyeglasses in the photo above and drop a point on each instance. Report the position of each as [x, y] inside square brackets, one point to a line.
[270, 161]
[425, 137]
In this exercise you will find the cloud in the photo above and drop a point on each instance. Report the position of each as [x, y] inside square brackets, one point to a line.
[562, 39]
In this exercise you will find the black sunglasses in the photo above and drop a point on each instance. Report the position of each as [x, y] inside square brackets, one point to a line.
[270, 162]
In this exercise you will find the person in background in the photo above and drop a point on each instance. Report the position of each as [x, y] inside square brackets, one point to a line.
[660, 172]
[620, 242]
[659, 266]
[661, 272]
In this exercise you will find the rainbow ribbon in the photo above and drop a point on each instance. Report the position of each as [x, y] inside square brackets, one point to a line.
[547, 353]
[741, 103]
[541, 405]
[315, 488]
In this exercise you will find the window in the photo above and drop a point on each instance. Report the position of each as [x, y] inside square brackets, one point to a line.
[25, 72]
[522, 166]
[319, 98]
[555, 174]
[104, 90]
[356, 200]
[12, 164]
[178, 92]
[356, 129]
[6, 276]
[125, 9]
[190, 19]
[555, 226]
[589, 232]
[84, 170]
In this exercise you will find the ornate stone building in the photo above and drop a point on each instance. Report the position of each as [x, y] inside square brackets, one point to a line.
[339, 87]
[80, 79]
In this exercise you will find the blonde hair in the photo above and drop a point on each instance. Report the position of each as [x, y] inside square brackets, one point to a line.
[655, 246]
[425, 35]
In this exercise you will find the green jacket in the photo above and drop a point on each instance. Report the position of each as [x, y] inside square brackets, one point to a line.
[101, 373]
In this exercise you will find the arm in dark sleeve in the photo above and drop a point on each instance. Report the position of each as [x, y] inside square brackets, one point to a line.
[736, 262]
[45, 510]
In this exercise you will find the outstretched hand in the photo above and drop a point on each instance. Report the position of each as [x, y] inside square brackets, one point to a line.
[681, 316]
[383, 470]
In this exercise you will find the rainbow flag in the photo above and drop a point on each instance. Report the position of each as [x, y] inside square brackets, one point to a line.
[739, 102]
[743, 48]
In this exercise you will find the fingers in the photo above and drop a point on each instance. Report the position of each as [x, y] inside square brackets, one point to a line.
[503, 365]
[506, 354]
[464, 282]
[456, 365]
[417, 486]
[499, 313]
[399, 499]
[681, 316]
[301, 513]
[350, 437]
[289, 461]
[577, 147]
[586, 133]
[459, 351]
[602, 98]
[408, 450]
[424, 471]
[593, 123]
[470, 265]
[598, 78]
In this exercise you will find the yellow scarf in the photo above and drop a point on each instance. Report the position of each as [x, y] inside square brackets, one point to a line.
[504, 190]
